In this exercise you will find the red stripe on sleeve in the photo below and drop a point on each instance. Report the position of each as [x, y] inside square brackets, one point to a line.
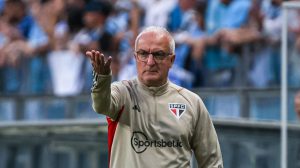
[112, 125]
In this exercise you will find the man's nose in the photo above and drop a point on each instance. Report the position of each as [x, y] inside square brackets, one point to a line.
[150, 60]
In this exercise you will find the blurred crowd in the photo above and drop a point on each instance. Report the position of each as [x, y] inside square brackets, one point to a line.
[219, 43]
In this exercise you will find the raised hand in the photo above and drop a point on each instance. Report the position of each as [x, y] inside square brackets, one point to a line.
[99, 64]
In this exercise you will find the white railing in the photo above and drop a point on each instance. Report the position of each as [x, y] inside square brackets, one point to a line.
[284, 87]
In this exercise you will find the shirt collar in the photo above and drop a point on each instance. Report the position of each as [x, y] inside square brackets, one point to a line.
[157, 91]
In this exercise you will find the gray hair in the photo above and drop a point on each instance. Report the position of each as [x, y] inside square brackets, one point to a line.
[158, 30]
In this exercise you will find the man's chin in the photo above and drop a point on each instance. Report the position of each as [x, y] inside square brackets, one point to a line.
[151, 80]
[150, 73]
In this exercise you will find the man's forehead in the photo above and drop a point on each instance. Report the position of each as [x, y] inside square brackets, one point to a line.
[152, 43]
[153, 34]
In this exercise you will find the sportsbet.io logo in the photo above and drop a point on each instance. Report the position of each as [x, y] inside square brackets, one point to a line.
[140, 142]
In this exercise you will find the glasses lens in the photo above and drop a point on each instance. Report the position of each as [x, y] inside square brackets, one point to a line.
[142, 55]
[157, 56]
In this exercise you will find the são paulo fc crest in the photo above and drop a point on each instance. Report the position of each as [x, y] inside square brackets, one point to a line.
[177, 109]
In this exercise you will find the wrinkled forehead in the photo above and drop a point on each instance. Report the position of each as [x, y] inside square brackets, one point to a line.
[149, 39]
[153, 35]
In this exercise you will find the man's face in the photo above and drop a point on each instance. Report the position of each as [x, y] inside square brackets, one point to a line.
[150, 71]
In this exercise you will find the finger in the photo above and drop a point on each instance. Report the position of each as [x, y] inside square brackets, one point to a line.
[102, 59]
[96, 56]
[100, 62]
[108, 62]
[89, 54]
[107, 65]
[98, 59]
[93, 56]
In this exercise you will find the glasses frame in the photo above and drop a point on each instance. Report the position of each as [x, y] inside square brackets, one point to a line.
[156, 58]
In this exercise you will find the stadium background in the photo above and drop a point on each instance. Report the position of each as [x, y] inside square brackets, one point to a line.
[228, 52]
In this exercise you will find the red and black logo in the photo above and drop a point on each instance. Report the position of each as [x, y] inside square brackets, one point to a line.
[177, 109]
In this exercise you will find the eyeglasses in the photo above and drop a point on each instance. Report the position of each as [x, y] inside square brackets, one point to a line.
[158, 56]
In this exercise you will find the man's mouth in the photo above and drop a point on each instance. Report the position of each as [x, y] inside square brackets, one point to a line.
[150, 70]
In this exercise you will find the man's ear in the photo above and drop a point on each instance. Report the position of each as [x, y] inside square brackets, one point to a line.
[172, 59]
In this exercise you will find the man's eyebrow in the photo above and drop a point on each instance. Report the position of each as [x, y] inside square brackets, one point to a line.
[142, 50]
[153, 51]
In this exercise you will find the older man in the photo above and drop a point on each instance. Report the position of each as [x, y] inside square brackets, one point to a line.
[153, 122]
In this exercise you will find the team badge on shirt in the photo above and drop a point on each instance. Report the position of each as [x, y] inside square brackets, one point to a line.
[177, 109]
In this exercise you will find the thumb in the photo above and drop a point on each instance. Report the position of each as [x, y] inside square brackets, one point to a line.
[108, 63]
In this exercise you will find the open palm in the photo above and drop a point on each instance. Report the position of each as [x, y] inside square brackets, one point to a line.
[99, 64]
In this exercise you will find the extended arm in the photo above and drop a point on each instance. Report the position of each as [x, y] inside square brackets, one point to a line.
[106, 100]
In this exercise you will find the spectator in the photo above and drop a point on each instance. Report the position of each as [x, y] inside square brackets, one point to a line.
[180, 18]
[156, 11]
[125, 41]
[257, 61]
[190, 42]
[95, 34]
[24, 38]
[265, 66]
[67, 78]
[294, 44]
[219, 60]
[47, 13]
[182, 23]
[297, 104]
